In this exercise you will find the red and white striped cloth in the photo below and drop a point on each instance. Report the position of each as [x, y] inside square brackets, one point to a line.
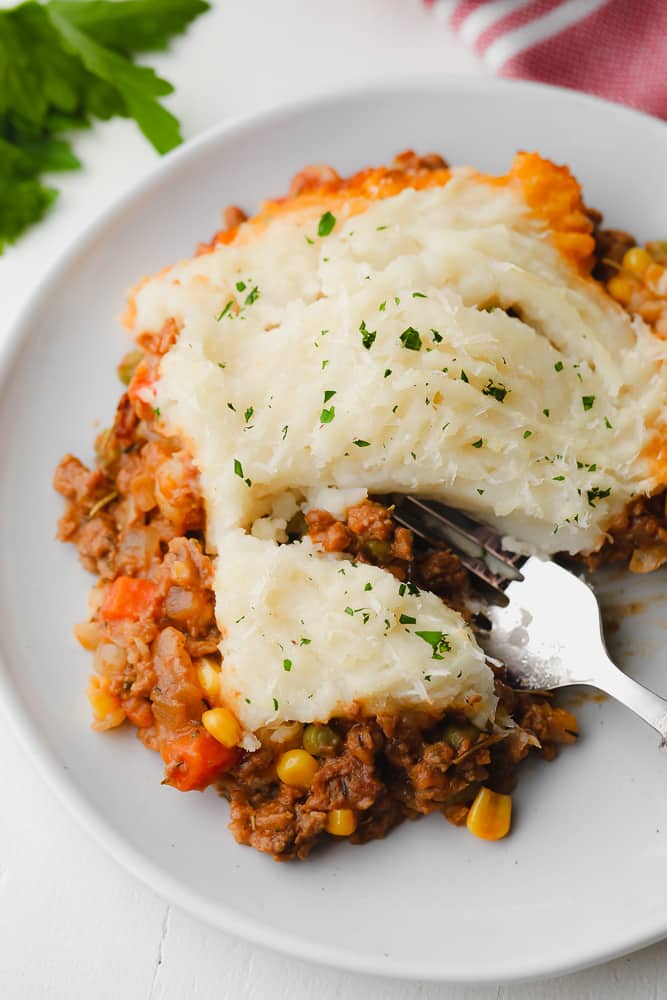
[614, 48]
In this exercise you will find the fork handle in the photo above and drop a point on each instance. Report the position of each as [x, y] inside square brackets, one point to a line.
[645, 703]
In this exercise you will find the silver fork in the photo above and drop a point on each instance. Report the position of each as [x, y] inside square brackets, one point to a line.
[546, 628]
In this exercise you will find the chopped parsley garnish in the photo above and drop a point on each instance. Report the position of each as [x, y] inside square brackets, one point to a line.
[275, 704]
[558, 479]
[241, 286]
[587, 402]
[248, 413]
[223, 312]
[527, 434]
[287, 665]
[464, 377]
[328, 394]
[382, 306]
[230, 406]
[324, 363]
[407, 620]
[156, 411]
[369, 586]
[559, 366]
[596, 494]
[360, 443]
[411, 340]
[607, 424]
[221, 364]
[438, 641]
[437, 337]
[304, 642]
[496, 389]
[547, 413]
[349, 611]
[238, 468]
[252, 296]
[367, 336]
[284, 431]
[378, 229]
[419, 295]
[478, 443]
[326, 224]
[387, 372]
[397, 301]
[481, 492]
[326, 416]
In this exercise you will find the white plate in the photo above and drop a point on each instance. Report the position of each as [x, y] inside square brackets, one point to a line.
[583, 877]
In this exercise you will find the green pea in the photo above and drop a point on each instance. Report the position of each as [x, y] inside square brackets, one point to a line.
[380, 550]
[318, 739]
[458, 733]
[128, 366]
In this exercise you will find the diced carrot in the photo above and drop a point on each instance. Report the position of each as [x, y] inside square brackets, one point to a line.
[145, 377]
[195, 759]
[128, 597]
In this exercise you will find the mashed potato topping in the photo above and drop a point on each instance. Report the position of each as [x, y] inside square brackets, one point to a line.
[436, 342]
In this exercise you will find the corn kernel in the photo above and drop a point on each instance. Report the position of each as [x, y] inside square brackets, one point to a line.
[180, 572]
[490, 815]
[297, 768]
[636, 260]
[208, 675]
[341, 822]
[622, 288]
[107, 710]
[223, 726]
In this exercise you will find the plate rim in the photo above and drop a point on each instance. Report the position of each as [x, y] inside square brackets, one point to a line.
[26, 729]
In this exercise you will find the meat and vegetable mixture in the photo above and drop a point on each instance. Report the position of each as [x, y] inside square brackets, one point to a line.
[137, 518]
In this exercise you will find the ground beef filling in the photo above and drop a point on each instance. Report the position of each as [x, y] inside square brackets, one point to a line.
[138, 517]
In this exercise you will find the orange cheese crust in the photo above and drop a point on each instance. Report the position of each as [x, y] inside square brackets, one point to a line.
[550, 191]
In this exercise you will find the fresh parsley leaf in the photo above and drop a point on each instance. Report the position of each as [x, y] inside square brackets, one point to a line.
[326, 416]
[587, 402]
[62, 63]
[596, 494]
[496, 389]
[138, 87]
[326, 224]
[411, 339]
[367, 336]
[438, 641]
[287, 665]
[223, 312]
[361, 444]
[131, 25]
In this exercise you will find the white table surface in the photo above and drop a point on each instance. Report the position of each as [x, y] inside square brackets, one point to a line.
[72, 923]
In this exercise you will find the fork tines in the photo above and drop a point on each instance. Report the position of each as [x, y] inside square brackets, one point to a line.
[477, 545]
